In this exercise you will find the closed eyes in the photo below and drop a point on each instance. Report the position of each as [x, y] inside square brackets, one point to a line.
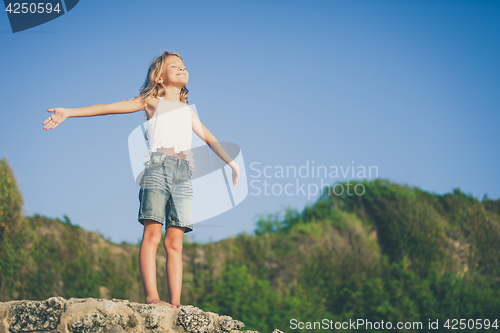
[176, 66]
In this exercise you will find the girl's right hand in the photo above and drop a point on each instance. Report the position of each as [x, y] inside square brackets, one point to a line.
[236, 173]
[59, 115]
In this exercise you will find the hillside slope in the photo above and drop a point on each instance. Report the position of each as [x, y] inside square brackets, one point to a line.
[396, 253]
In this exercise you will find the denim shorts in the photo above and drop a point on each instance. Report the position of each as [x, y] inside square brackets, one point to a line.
[166, 192]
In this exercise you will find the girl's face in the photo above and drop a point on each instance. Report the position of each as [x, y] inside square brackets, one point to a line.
[175, 72]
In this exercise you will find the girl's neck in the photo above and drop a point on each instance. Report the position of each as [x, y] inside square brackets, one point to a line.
[172, 93]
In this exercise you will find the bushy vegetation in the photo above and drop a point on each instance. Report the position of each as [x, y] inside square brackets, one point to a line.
[42, 257]
[396, 253]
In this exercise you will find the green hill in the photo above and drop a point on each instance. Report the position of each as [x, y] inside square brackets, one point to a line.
[396, 253]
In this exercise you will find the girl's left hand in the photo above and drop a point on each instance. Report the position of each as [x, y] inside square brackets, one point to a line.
[236, 173]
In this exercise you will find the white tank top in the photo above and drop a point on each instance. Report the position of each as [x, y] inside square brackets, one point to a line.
[171, 127]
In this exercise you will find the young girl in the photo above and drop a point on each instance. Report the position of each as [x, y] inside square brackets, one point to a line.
[166, 189]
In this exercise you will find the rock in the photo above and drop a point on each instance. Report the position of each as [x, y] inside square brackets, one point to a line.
[85, 315]
[227, 324]
[194, 320]
[35, 316]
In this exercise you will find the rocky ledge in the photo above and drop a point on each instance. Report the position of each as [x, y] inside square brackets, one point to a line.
[82, 315]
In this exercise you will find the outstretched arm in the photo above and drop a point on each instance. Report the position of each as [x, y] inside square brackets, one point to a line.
[204, 134]
[61, 114]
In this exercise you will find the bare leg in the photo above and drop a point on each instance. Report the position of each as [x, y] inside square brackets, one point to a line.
[173, 247]
[147, 261]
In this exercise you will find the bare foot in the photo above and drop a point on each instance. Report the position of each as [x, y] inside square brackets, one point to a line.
[178, 305]
[158, 301]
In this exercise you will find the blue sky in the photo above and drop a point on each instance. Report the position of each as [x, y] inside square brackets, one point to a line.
[409, 87]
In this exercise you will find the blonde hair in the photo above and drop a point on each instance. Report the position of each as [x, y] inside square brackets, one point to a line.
[151, 88]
